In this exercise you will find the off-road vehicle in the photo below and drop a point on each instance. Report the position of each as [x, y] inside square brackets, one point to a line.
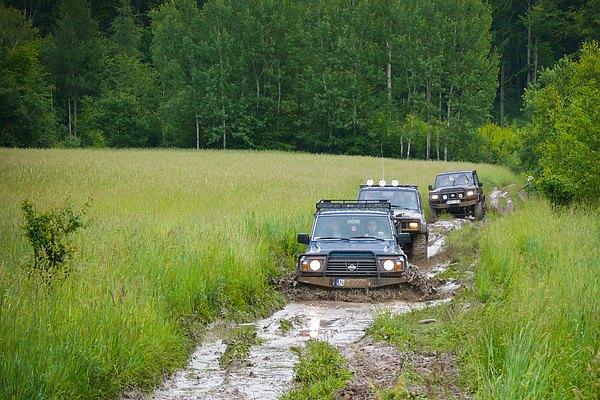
[407, 212]
[353, 245]
[459, 193]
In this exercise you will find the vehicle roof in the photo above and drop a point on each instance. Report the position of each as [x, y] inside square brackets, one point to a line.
[457, 172]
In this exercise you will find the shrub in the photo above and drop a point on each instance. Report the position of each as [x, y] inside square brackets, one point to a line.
[48, 232]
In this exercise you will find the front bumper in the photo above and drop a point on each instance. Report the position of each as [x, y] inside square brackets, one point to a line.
[442, 205]
[350, 283]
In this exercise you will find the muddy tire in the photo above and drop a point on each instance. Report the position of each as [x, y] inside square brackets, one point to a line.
[434, 214]
[478, 211]
[419, 248]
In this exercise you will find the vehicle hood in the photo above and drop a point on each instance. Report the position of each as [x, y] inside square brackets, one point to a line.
[452, 188]
[406, 213]
[376, 246]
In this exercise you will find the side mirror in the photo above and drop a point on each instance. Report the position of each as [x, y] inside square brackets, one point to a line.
[303, 238]
[430, 187]
[403, 238]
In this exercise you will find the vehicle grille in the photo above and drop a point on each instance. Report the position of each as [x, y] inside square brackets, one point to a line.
[338, 263]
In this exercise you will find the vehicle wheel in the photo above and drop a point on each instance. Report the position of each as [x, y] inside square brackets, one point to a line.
[434, 214]
[478, 211]
[419, 248]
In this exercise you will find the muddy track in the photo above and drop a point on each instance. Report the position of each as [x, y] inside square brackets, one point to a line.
[339, 317]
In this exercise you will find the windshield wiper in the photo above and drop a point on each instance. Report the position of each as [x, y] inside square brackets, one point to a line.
[329, 238]
[368, 237]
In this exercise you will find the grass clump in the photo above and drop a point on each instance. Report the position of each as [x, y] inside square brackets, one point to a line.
[405, 332]
[239, 342]
[285, 325]
[320, 372]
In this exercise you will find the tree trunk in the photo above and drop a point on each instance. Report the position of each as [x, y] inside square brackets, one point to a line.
[528, 41]
[278, 88]
[428, 98]
[437, 140]
[223, 127]
[408, 150]
[535, 59]
[401, 145]
[389, 70]
[197, 133]
[70, 119]
[448, 122]
[75, 117]
[502, 72]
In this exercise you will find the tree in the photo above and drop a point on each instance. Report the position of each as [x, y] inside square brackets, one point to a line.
[562, 143]
[27, 117]
[73, 56]
[121, 115]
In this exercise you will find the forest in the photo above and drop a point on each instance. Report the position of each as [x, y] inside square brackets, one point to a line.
[459, 80]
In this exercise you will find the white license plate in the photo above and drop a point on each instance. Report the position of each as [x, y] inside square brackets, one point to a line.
[453, 202]
[350, 283]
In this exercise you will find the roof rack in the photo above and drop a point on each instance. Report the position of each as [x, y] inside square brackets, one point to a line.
[383, 205]
[389, 186]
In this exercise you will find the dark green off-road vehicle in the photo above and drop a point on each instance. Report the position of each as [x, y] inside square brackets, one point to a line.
[459, 193]
[407, 212]
[353, 245]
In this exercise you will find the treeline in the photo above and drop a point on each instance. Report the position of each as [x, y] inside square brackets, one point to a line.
[413, 78]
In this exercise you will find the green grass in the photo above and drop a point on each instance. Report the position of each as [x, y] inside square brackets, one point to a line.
[539, 334]
[320, 372]
[530, 328]
[176, 239]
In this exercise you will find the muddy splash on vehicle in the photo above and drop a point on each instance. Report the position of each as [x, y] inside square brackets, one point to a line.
[267, 373]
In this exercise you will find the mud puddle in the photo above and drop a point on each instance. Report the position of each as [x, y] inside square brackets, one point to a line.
[268, 373]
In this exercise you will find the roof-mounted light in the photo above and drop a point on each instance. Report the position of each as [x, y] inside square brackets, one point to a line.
[370, 182]
[382, 183]
[395, 182]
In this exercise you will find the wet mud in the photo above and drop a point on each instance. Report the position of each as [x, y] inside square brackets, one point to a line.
[338, 317]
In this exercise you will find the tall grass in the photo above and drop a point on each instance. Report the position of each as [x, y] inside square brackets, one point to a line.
[538, 336]
[176, 239]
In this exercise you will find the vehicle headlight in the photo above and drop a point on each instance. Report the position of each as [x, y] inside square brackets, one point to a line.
[470, 193]
[435, 196]
[315, 265]
[413, 225]
[444, 197]
[389, 265]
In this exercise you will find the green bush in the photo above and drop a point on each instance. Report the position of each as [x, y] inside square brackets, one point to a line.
[562, 143]
[48, 232]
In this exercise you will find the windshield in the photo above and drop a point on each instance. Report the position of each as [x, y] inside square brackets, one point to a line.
[458, 179]
[353, 226]
[397, 198]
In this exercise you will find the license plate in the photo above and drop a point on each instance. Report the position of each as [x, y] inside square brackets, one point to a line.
[453, 202]
[350, 283]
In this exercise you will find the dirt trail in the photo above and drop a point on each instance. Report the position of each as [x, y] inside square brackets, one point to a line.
[268, 371]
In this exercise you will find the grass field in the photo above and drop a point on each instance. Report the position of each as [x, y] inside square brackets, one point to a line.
[175, 239]
[530, 329]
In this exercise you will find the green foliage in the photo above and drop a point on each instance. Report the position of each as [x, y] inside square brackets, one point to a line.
[27, 117]
[48, 233]
[320, 372]
[500, 144]
[562, 145]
